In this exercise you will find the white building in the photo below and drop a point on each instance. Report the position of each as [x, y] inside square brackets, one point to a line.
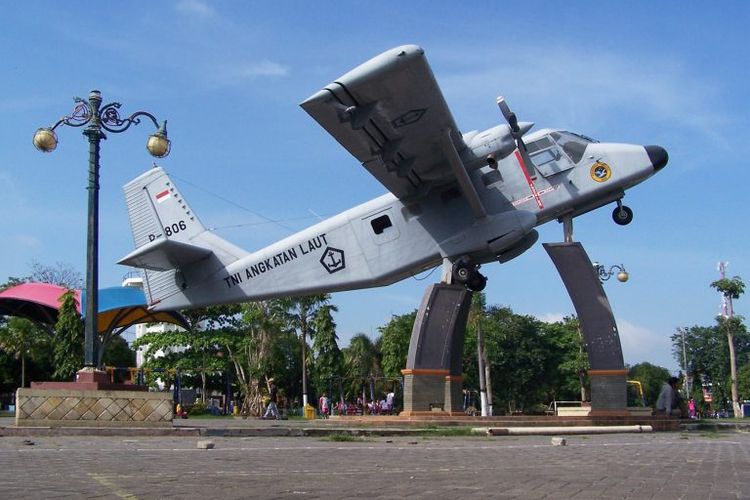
[134, 280]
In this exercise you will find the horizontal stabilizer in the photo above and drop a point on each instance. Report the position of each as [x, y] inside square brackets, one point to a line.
[164, 254]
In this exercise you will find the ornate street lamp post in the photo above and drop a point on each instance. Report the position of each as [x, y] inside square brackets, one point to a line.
[605, 274]
[98, 119]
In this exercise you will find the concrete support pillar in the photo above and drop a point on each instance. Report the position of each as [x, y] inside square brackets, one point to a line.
[607, 392]
[433, 375]
[607, 373]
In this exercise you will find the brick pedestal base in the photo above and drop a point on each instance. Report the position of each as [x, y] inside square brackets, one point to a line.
[431, 392]
[608, 392]
[91, 408]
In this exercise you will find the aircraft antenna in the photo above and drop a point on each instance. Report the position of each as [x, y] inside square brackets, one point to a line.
[232, 202]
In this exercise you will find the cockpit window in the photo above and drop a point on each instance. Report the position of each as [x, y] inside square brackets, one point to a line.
[546, 156]
[539, 144]
[574, 145]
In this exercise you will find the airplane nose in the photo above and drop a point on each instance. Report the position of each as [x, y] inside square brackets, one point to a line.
[658, 156]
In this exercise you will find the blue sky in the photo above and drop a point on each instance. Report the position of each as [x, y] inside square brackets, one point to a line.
[229, 76]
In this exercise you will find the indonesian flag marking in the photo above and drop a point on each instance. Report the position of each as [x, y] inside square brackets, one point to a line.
[163, 196]
[532, 187]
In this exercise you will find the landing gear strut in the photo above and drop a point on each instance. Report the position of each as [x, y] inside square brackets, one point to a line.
[466, 273]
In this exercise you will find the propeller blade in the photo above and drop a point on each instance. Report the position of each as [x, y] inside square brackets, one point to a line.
[509, 115]
[516, 131]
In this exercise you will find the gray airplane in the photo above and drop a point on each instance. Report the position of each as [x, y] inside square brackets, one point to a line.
[462, 200]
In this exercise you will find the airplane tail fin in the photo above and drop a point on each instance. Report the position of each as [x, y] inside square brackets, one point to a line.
[171, 243]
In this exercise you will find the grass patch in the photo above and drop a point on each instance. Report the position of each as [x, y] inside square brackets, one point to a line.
[435, 431]
[207, 416]
[343, 437]
[709, 433]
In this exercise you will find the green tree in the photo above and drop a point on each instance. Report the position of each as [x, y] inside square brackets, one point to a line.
[707, 353]
[731, 289]
[394, 343]
[651, 377]
[203, 349]
[743, 382]
[192, 352]
[361, 366]
[256, 350]
[567, 361]
[518, 354]
[68, 341]
[23, 339]
[118, 353]
[328, 358]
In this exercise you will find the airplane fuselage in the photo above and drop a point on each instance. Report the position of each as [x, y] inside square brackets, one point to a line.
[387, 239]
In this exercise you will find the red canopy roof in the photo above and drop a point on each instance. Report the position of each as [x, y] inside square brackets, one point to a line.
[35, 301]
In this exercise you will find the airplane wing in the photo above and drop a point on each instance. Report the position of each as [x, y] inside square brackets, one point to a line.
[391, 115]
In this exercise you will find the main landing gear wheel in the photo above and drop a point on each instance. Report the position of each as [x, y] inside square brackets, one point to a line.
[622, 215]
[477, 282]
[467, 274]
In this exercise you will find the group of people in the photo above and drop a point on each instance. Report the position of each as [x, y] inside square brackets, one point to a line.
[669, 403]
[385, 406]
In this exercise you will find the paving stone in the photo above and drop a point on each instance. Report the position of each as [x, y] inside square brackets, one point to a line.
[634, 466]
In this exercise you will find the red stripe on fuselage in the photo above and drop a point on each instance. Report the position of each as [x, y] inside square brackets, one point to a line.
[532, 187]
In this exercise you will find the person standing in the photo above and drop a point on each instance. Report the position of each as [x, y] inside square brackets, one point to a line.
[390, 401]
[323, 405]
[272, 410]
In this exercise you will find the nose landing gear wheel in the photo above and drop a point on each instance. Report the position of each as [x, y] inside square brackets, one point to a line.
[622, 215]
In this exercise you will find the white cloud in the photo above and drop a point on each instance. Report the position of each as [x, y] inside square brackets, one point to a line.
[569, 87]
[240, 73]
[641, 344]
[262, 68]
[195, 8]
[26, 241]
[551, 317]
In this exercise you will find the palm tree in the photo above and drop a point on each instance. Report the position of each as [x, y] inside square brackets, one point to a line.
[730, 289]
[361, 363]
[299, 313]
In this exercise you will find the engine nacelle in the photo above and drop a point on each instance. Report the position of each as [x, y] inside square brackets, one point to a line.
[492, 145]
